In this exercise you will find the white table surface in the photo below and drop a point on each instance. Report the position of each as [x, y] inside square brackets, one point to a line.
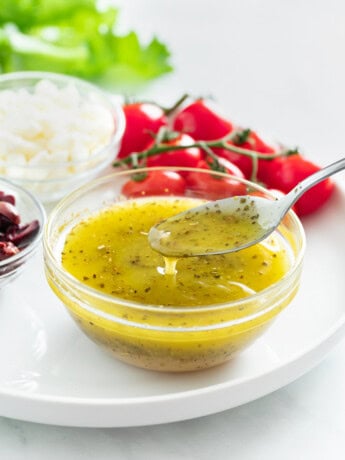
[277, 66]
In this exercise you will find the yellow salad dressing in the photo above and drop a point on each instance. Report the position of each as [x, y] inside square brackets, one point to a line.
[110, 252]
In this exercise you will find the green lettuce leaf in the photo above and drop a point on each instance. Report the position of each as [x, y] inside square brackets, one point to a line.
[75, 37]
[25, 13]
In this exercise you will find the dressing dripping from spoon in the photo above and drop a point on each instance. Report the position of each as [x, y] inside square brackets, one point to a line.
[230, 224]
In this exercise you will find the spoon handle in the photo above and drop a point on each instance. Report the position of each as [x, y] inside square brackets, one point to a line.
[312, 180]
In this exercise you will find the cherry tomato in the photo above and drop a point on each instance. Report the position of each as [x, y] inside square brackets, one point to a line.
[188, 157]
[141, 119]
[285, 173]
[214, 187]
[201, 122]
[230, 168]
[252, 142]
[155, 183]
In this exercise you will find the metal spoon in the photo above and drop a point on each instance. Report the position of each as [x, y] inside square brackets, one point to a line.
[228, 225]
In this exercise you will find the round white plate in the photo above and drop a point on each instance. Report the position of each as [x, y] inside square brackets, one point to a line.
[51, 373]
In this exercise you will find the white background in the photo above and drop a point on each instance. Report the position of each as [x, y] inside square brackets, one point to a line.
[278, 66]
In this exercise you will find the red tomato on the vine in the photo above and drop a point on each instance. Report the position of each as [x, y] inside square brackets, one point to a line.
[245, 163]
[215, 187]
[201, 122]
[141, 119]
[286, 172]
[229, 167]
[155, 183]
[188, 157]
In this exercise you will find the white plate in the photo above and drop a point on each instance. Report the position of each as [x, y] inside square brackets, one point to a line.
[51, 373]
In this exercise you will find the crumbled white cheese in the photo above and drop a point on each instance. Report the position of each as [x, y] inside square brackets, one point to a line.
[47, 126]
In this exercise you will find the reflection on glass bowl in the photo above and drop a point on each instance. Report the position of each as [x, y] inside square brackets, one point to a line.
[171, 338]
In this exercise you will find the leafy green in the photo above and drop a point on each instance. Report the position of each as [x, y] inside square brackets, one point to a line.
[76, 37]
[25, 13]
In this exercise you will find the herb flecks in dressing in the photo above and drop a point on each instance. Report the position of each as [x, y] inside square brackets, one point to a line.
[213, 228]
[110, 252]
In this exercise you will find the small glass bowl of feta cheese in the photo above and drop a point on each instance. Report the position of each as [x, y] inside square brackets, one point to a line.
[56, 132]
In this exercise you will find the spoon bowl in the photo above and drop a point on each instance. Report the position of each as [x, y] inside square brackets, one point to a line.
[230, 224]
[216, 227]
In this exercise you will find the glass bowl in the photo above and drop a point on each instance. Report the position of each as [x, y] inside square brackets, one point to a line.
[58, 146]
[174, 338]
[29, 209]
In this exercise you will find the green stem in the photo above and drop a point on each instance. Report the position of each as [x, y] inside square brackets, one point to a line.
[169, 110]
[215, 165]
[208, 151]
[255, 166]
[157, 149]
